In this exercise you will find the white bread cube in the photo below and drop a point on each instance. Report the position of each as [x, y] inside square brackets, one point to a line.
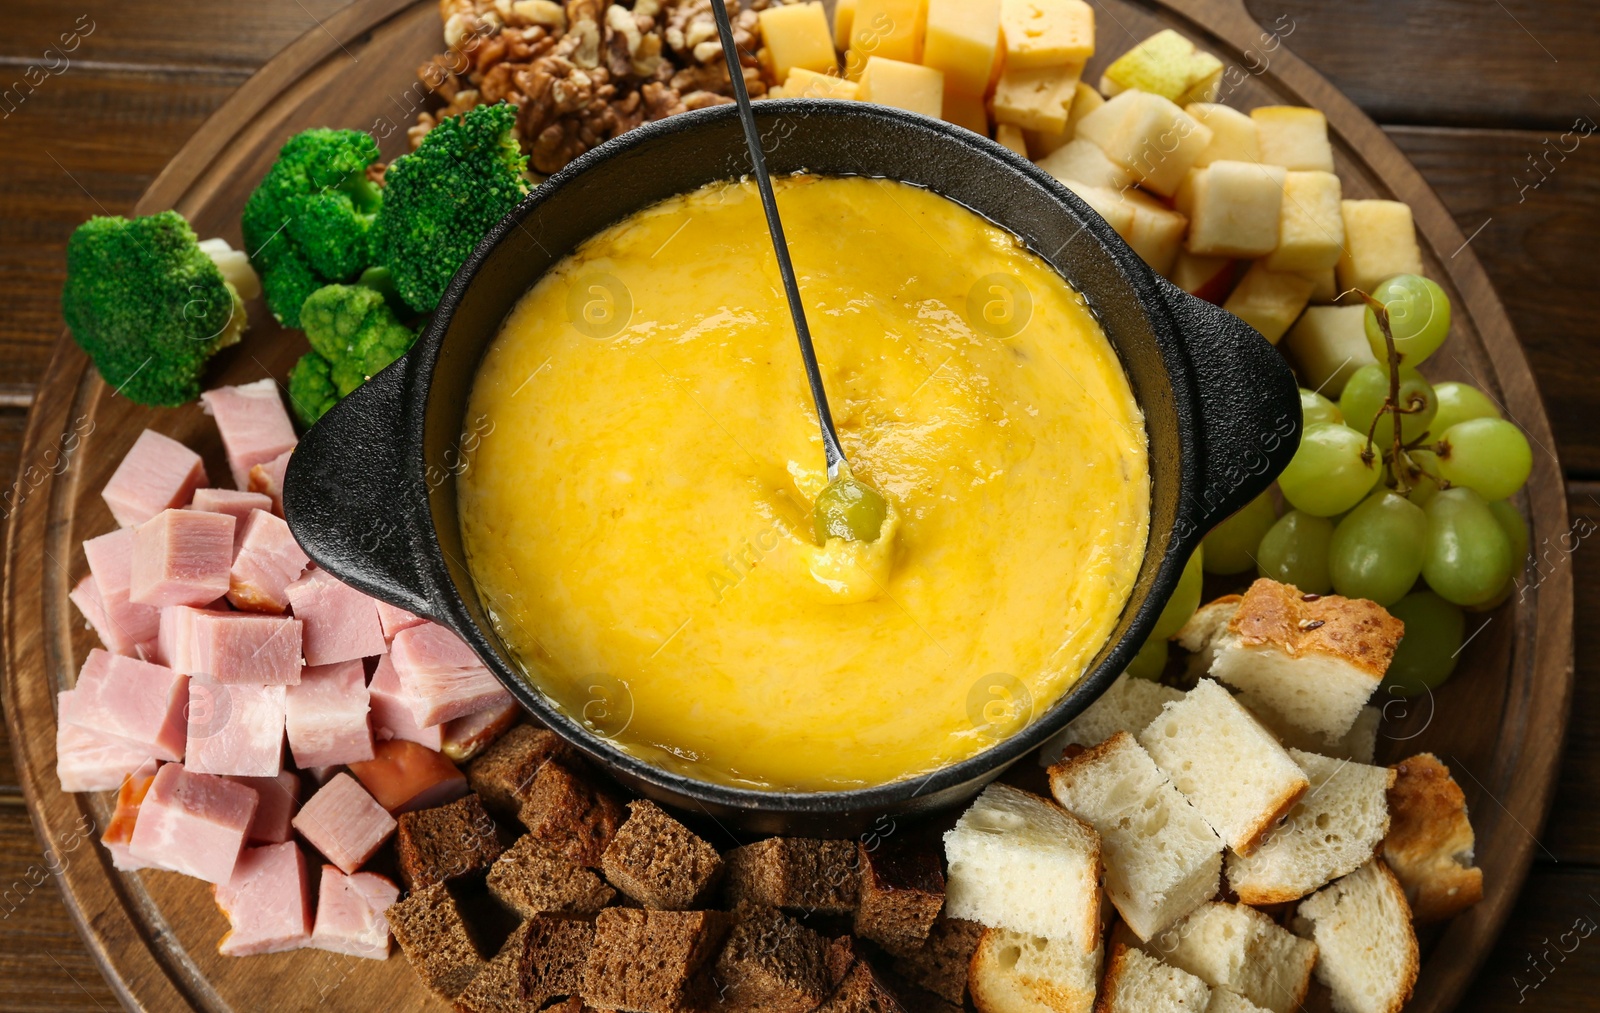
[1238, 949]
[1127, 705]
[1234, 135]
[1224, 1001]
[1269, 301]
[1430, 841]
[1310, 223]
[1226, 763]
[1360, 743]
[1156, 231]
[1199, 635]
[1234, 208]
[1324, 285]
[1083, 162]
[1150, 136]
[1036, 98]
[1160, 857]
[1328, 344]
[1313, 661]
[1136, 982]
[1012, 972]
[1210, 278]
[1294, 137]
[1021, 862]
[1366, 948]
[1380, 241]
[1328, 834]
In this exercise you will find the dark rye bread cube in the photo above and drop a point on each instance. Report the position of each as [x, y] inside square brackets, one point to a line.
[434, 937]
[658, 861]
[797, 873]
[554, 953]
[772, 964]
[498, 987]
[653, 961]
[901, 893]
[939, 965]
[570, 813]
[532, 878]
[856, 985]
[438, 845]
[504, 773]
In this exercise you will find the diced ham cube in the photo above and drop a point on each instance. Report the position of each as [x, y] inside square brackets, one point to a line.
[404, 776]
[243, 648]
[232, 502]
[344, 823]
[193, 823]
[128, 625]
[341, 623]
[468, 736]
[86, 596]
[267, 901]
[266, 560]
[255, 428]
[181, 557]
[158, 474]
[235, 730]
[133, 701]
[350, 913]
[267, 479]
[327, 716]
[86, 760]
[394, 619]
[441, 675]
[391, 709]
[279, 800]
[119, 831]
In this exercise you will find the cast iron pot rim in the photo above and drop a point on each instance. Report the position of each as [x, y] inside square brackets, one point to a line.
[1076, 698]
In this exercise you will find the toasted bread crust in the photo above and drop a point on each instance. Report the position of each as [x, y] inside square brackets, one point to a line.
[985, 968]
[1356, 631]
[1430, 840]
[1413, 963]
[1264, 826]
[1116, 967]
[1208, 620]
[1067, 770]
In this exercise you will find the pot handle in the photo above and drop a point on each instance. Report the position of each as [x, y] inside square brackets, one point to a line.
[345, 494]
[1249, 401]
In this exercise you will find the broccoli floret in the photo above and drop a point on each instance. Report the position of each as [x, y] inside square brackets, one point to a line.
[148, 305]
[311, 388]
[310, 221]
[353, 335]
[441, 199]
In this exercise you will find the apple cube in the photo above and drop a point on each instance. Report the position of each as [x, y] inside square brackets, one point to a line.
[797, 35]
[1324, 287]
[1149, 135]
[1165, 64]
[1036, 98]
[803, 83]
[1311, 225]
[1234, 135]
[1233, 208]
[844, 17]
[1328, 345]
[1012, 138]
[1294, 137]
[885, 29]
[1209, 278]
[1269, 301]
[1106, 203]
[1046, 33]
[1380, 241]
[1083, 162]
[962, 39]
[903, 85]
[965, 111]
[1156, 231]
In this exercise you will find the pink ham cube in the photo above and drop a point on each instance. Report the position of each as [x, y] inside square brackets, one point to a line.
[267, 479]
[232, 502]
[344, 823]
[350, 913]
[441, 675]
[119, 831]
[266, 560]
[86, 596]
[279, 800]
[267, 901]
[341, 623]
[175, 641]
[255, 428]
[193, 823]
[86, 760]
[394, 619]
[327, 716]
[235, 730]
[128, 625]
[181, 557]
[139, 704]
[244, 648]
[466, 737]
[158, 474]
[391, 709]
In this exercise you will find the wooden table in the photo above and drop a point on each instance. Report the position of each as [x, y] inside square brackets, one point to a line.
[1489, 98]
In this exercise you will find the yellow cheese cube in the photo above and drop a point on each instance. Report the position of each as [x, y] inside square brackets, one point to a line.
[1085, 100]
[1234, 136]
[1380, 241]
[962, 39]
[1294, 137]
[1036, 99]
[844, 16]
[1047, 33]
[1324, 286]
[892, 29]
[1269, 301]
[965, 110]
[803, 83]
[1012, 138]
[1328, 345]
[1149, 135]
[903, 85]
[797, 35]
[1310, 224]
[1233, 208]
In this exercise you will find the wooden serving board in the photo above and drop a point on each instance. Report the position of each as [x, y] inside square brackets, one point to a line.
[1498, 723]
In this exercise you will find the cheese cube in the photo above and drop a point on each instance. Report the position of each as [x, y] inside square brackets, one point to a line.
[1047, 33]
[1324, 286]
[1083, 162]
[1328, 345]
[1149, 135]
[1209, 278]
[891, 29]
[1233, 208]
[1156, 231]
[1166, 64]
[1380, 241]
[1085, 100]
[1012, 138]
[1234, 136]
[797, 35]
[1036, 99]
[1294, 137]
[1269, 301]
[962, 39]
[966, 111]
[803, 83]
[903, 85]
[844, 16]
[1310, 225]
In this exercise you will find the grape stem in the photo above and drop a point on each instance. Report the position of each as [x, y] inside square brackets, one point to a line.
[1391, 404]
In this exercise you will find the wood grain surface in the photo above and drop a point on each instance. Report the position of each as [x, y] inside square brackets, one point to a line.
[1463, 90]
